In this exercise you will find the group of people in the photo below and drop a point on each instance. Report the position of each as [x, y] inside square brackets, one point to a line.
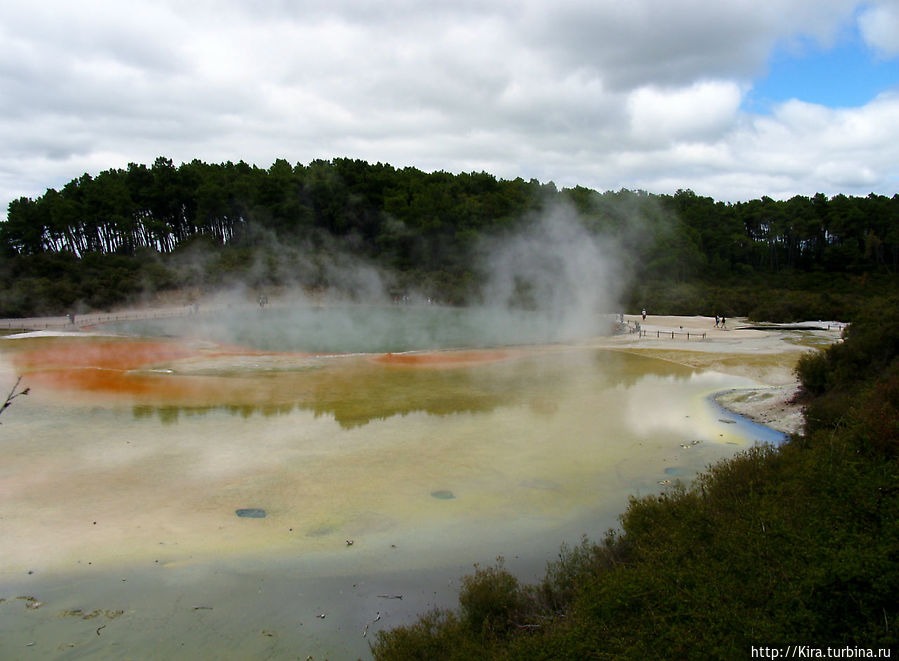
[720, 320]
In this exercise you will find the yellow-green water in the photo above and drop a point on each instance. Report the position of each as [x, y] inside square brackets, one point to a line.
[123, 497]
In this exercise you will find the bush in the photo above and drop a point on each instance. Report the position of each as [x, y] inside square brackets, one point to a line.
[772, 546]
[436, 636]
[879, 416]
[574, 569]
[814, 373]
[490, 600]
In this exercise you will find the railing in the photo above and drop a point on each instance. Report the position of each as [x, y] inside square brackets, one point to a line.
[635, 328]
[80, 321]
[665, 334]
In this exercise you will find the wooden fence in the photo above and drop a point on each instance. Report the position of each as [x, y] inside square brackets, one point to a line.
[690, 335]
[635, 328]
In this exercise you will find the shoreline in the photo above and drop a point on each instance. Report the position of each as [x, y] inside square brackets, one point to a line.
[289, 582]
[773, 407]
[765, 353]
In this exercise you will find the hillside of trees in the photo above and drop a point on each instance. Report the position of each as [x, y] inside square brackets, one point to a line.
[797, 545]
[107, 239]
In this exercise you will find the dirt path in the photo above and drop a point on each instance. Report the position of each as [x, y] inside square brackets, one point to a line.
[82, 321]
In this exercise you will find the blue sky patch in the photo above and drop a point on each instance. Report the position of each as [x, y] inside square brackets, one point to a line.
[847, 75]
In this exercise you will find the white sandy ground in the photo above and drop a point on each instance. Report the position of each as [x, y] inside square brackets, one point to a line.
[767, 356]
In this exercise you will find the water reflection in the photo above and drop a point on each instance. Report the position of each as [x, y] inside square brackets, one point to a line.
[627, 369]
[137, 454]
[357, 393]
[171, 379]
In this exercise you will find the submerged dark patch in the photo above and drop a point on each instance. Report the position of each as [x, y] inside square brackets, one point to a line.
[251, 513]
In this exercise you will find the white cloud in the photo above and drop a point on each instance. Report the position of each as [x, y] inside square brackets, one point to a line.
[639, 94]
[646, 42]
[879, 26]
[701, 110]
[804, 148]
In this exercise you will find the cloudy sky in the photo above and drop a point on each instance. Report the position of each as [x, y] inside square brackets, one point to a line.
[732, 98]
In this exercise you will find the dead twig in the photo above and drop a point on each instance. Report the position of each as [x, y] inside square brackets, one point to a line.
[15, 392]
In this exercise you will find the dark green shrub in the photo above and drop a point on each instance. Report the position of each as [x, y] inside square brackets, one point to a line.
[814, 373]
[490, 600]
[577, 566]
[435, 636]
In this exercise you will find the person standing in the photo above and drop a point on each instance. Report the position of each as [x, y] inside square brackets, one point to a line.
[644, 314]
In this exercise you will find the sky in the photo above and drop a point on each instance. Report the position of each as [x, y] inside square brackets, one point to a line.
[734, 99]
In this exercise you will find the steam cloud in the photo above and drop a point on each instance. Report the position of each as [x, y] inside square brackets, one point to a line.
[558, 269]
[548, 280]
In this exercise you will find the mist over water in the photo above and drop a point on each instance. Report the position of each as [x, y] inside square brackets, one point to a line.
[155, 455]
[556, 267]
[550, 280]
[366, 328]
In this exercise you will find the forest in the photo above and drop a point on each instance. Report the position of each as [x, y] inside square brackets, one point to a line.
[123, 235]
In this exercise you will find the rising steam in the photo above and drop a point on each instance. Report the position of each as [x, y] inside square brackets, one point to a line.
[557, 269]
[548, 280]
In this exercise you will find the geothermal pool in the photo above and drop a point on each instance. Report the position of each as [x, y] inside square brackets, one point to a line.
[382, 473]
[335, 328]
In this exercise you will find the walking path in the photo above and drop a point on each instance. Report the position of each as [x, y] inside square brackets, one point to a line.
[83, 321]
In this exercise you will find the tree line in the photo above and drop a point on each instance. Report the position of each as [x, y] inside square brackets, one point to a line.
[131, 224]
